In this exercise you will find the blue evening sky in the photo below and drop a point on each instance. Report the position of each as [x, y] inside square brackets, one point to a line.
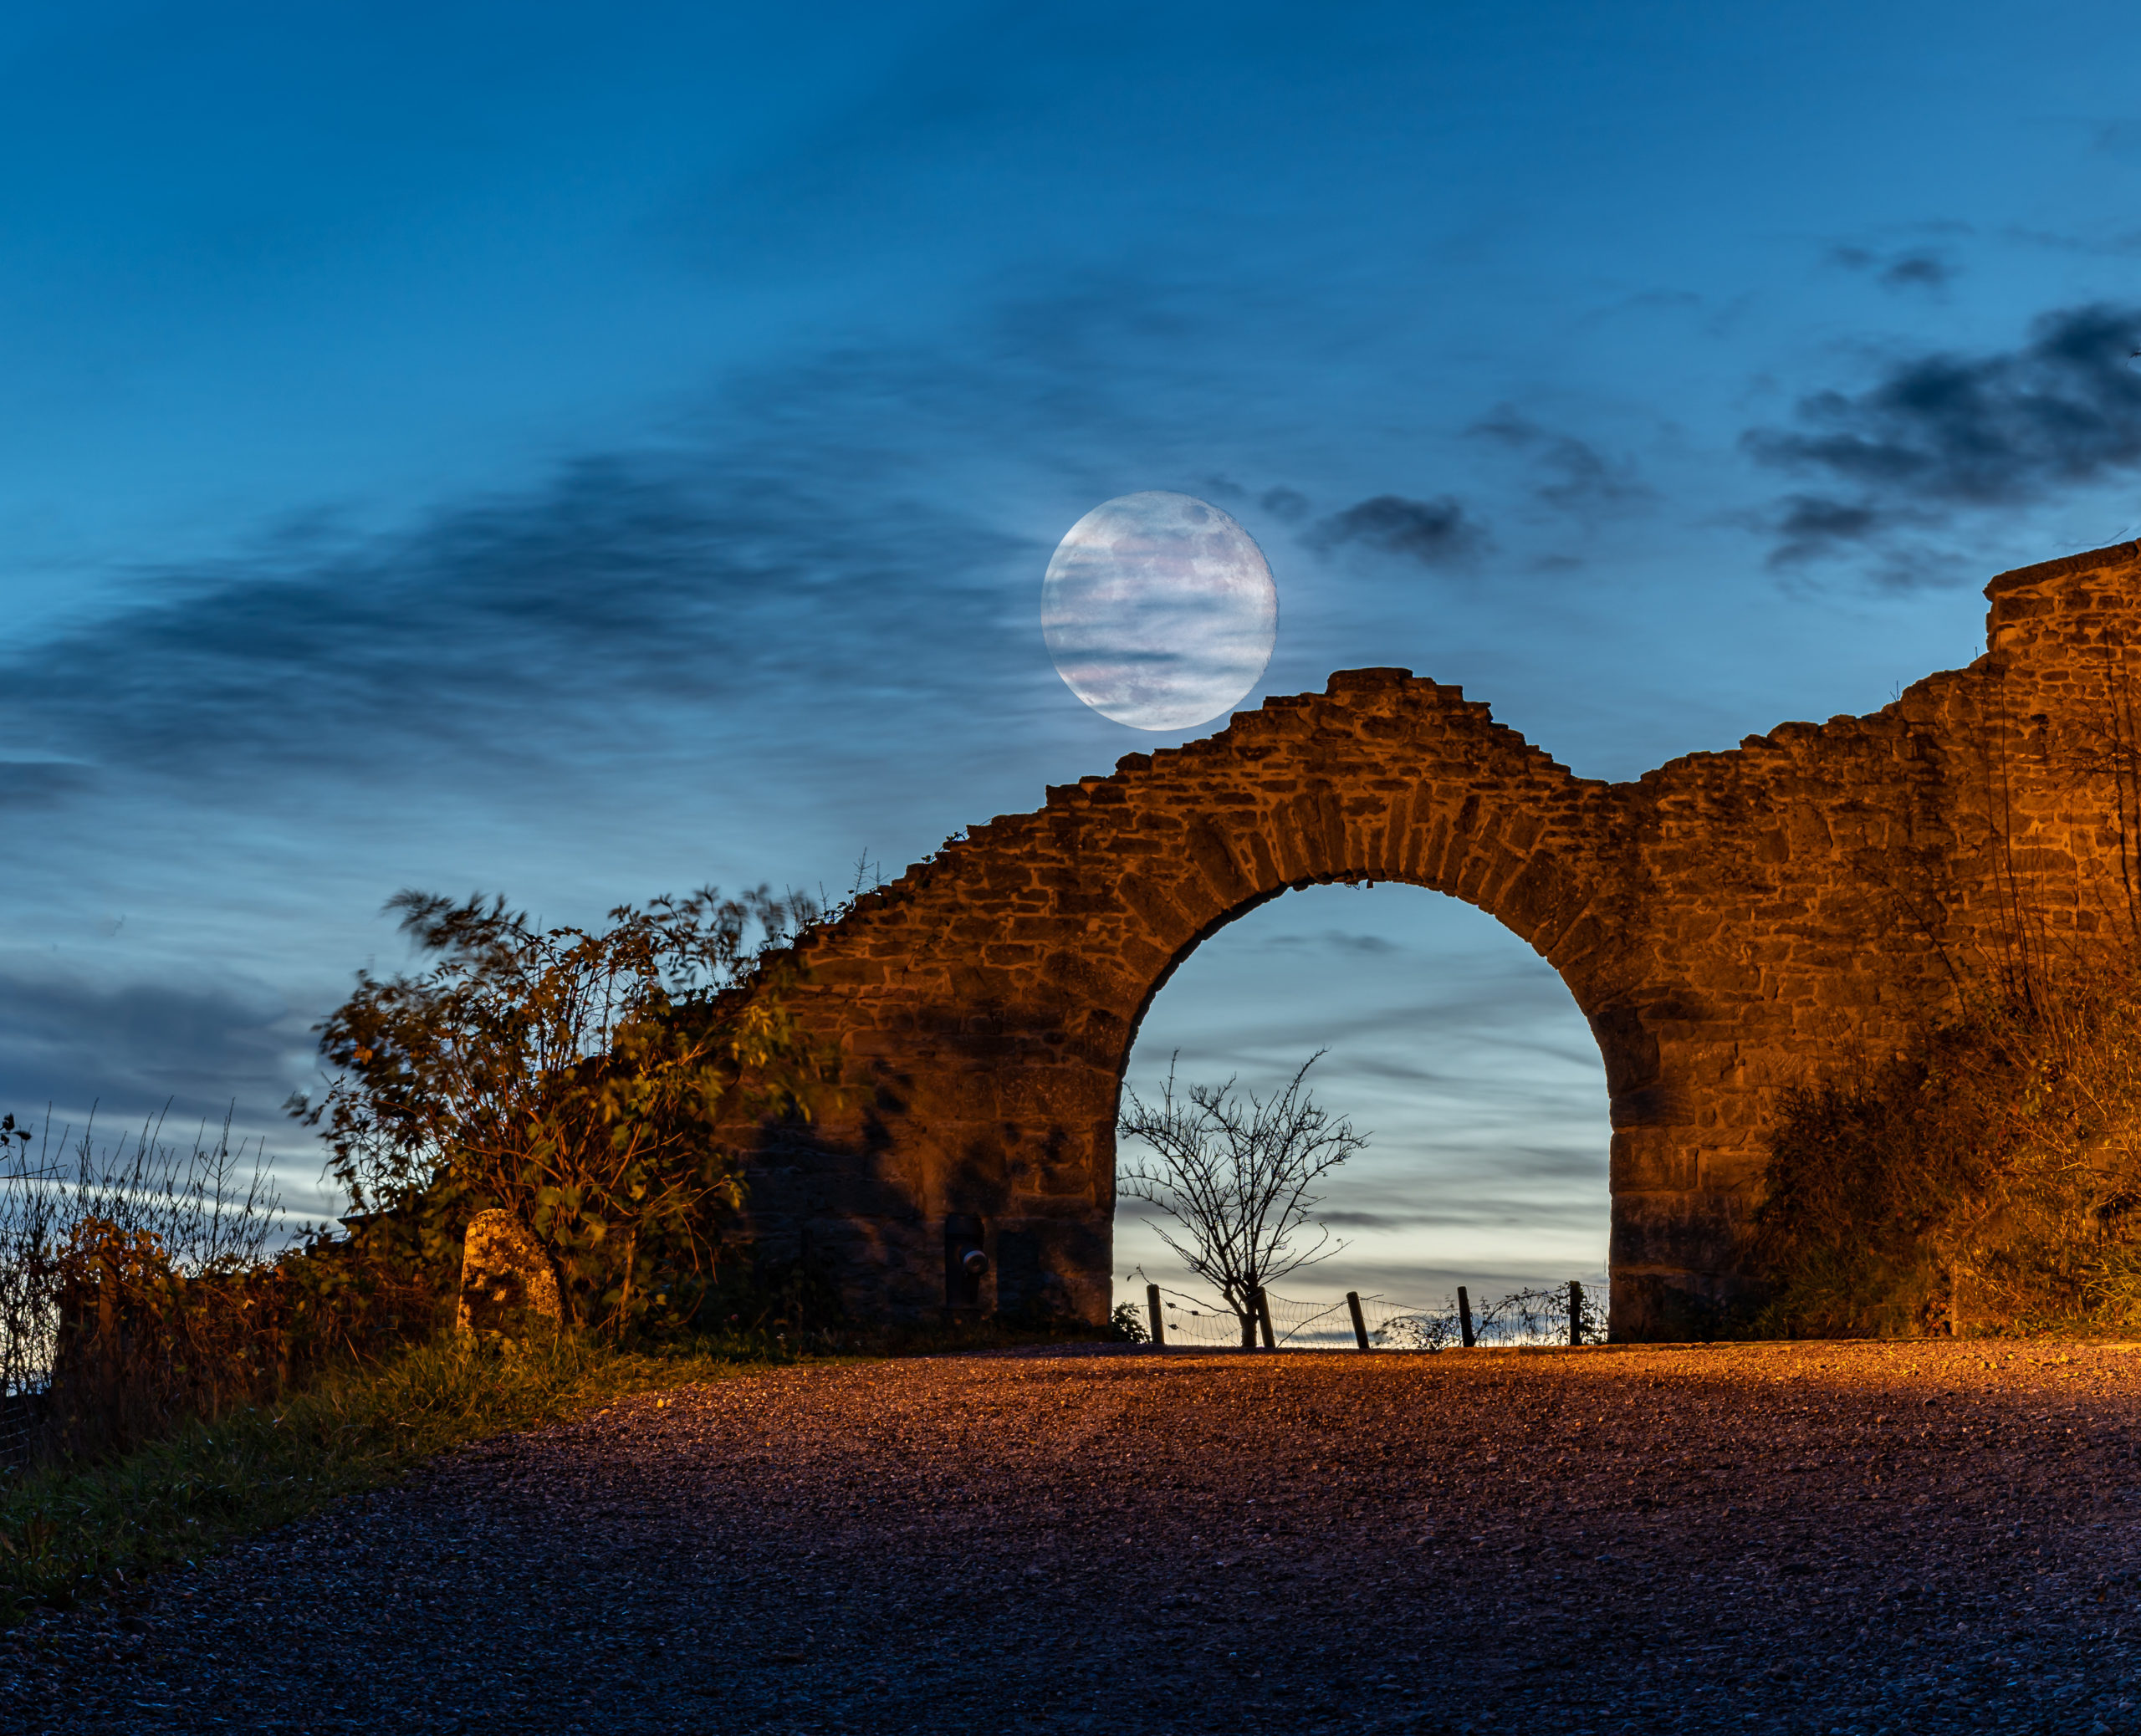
[584, 452]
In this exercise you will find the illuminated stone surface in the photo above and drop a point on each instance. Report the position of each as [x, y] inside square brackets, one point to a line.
[507, 1289]
[1732, 924]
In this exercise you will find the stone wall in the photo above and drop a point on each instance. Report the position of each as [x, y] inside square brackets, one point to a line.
[1731, 924]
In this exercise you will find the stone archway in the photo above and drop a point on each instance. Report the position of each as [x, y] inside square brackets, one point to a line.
[1730, 924]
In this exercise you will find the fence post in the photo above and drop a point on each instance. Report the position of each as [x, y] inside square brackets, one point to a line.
[1264, 1318]
[1464, 1317]
[1360, 1325]
[1576, 1312]
[1152, 1307]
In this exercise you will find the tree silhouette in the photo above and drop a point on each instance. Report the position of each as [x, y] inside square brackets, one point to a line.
[1234, 1171]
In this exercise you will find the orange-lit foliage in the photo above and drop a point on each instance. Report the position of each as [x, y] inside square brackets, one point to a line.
[142, 1344]
[1984, 1182]
[577, 1078]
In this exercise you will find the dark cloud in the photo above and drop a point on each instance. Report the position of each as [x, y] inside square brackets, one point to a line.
[1460, 1179]
[1437, 533]
[1910, 271]
[568, 618]
[1808, 526]
[2120, 139]
[1579, 479]
[132, 1046]
[1451, 1024]
[1911, 268]
[1941, 434]
[2113, 244]
[1982, 430]
[1380, 1220]
[29, 784]
[1289, 504]
[1332, 940]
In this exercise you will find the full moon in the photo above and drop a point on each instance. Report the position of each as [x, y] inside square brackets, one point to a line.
[1159, 610]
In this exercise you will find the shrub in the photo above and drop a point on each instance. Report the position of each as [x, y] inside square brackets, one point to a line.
[1984, 1182]
[143, 1344]
[1127, 1325]
[577, 1078]
[1534, 1317]
[1435, 1331]
[139, 1286]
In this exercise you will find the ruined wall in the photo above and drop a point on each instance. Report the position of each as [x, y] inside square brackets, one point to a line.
[1731, 924]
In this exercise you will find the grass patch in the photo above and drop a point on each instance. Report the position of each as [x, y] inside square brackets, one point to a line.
[70, 1531]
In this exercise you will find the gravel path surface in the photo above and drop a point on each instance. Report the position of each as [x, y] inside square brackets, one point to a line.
[1823, 1538]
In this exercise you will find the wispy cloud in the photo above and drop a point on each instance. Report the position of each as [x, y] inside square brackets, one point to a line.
[1331, 940]
[135, 1044]
[1576, 478]
[1918, 268]
[829, 524]
[555, 622]
[1438, 533]
[28, 785]
[1940, 435]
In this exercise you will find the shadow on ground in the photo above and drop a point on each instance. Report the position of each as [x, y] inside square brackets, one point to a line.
[1804, 1538]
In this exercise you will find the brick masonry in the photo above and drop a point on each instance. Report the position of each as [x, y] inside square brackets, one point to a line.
[1731, 924]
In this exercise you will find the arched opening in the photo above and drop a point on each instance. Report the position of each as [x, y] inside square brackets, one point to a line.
[992, 997]
[1452, 1045]
[1731, 924]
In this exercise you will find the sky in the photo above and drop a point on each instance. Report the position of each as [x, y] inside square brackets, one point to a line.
[587, 453]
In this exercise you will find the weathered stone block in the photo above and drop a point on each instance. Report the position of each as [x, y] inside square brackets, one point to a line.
[508, 1288]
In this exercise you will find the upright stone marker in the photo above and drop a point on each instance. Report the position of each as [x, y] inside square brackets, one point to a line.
[508, 1289]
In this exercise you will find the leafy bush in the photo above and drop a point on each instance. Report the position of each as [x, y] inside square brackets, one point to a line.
[140, 1286]
[1984, 1181]
[576, 1079]
[1127, 1325]
[143, 1344]
[579, 1079]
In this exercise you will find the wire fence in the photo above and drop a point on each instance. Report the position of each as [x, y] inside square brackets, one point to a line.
[1572, 1313]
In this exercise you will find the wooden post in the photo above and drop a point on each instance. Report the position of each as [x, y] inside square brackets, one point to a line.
[1464, 1317]
[1576, 1312]
[1264, 1318]
[1152, 1307]
[1360, 1325]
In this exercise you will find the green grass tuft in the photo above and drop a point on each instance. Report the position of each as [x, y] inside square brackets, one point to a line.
[71, 1531]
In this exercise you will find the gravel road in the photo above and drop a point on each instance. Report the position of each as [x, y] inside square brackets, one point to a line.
[1826, 1538]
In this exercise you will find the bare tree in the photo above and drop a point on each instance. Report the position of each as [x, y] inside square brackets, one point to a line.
[1234, 1171]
